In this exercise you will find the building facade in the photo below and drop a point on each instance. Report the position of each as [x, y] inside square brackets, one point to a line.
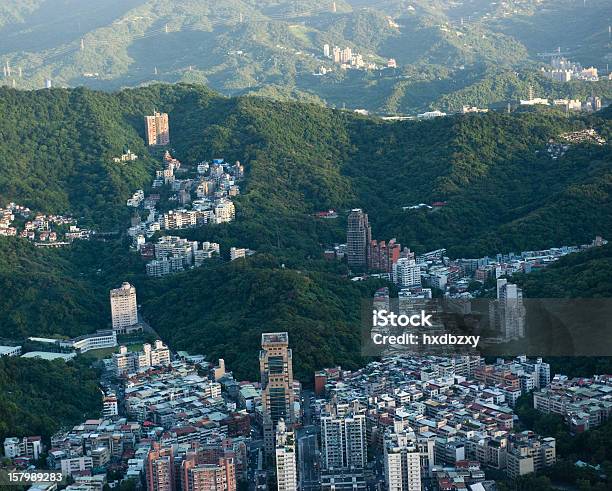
[402, 462]
[276, 370]
[158, 129]
[286, 461]
[358, 237]
[124, 308]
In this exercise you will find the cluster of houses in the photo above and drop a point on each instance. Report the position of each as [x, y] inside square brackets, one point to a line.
[42, 229]
[198, 197]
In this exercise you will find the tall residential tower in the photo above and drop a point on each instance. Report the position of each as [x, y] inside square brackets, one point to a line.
[124, 309]
[286, 461]
[158, 129]
[276, 369]
[358, 238]
[402, 462]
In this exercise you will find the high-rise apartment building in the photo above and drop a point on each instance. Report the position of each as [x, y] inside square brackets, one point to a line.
[358, 237]
[508, 313]
[199, 475]
[159, 469]
[382, 256]
[276, 370]
[402, 462]
[158, 129]
[343, 450]
[124, 309]
[407, 273]
[286, 461]
[336, 54]
[343, 441]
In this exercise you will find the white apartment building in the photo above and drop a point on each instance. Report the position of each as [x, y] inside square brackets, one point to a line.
[10, 350]
[76, 464]
[109, 406]
[124, 309]
[163, 267]
[28, 446]
[286, 462]
[407, 273]
[225, 211]
[126, 362]
[99, 340]
[237, 253]
[343, 441]
[402, 462]
[177, 219]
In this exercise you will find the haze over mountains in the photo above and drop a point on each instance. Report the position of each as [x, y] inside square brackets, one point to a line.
[448, 53]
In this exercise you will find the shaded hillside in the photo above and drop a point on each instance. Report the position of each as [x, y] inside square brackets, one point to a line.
[502, 192]
[57, 148]
[586, 275]
[47, 295]
[222, 312]
[45, 396]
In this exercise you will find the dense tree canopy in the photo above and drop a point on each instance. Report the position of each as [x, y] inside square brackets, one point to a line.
[39, 397]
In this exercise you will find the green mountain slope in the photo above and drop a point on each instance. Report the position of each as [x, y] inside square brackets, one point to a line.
[492, 170]
[550, 25]
[273, 48]
[231, 305]
[57, 149]
[502, 192]
[48, 296]
[584, 275]
[45, 396]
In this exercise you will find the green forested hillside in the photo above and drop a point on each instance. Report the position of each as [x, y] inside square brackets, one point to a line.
[59, 292]
[502, 193]
[39, 397]
[44, 294]
[585, 275]
[57, 150]
[492, 170]
[223, 310]
[449, 53]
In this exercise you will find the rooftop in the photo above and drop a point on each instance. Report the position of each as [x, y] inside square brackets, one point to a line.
[275, 338]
